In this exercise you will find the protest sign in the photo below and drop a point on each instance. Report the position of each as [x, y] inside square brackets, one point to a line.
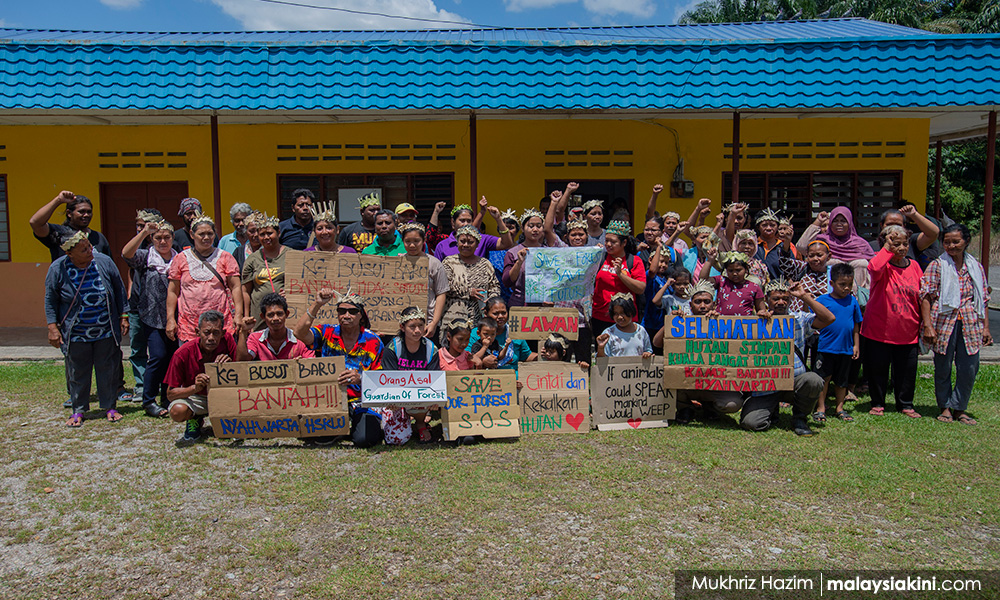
[628, 392]
[414, 390]
[561, 274]
[536, 323]
[278, 398]
[481, 403]
[729, 354]
[388, 284]
[555, 397]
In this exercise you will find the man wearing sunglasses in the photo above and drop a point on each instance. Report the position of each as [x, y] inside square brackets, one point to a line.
[360, 347]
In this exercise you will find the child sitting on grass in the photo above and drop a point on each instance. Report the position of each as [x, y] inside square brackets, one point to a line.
[556, 348]
[453, 356]
[487, 344]
[624, 338]
[840, 341]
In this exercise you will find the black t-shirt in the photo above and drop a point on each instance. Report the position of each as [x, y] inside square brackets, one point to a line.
[357, 236]
[54, 240]
[409, 361]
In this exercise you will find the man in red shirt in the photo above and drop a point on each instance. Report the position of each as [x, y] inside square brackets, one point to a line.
[187, 383]
[274, 343]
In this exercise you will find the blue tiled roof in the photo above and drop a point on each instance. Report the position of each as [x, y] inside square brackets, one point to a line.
[724, 32]
[756, 66]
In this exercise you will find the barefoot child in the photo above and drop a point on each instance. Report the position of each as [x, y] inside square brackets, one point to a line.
[839, 342]
[624, 338]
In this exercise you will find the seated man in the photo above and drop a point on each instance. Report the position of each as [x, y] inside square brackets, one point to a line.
[702, 303]
[277, 342]
[760, 412]
[187, 383]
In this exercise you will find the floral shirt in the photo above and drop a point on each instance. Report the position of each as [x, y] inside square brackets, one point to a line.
[366, 355]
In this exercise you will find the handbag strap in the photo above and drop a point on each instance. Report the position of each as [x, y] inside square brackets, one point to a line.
[210, 268]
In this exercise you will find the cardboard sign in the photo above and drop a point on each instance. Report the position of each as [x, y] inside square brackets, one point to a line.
[729, 354]
[481, 403]
[561, 274]
[388, 284]
[278, 398]
[414, 390]
[627, 392]
[536, 323]
[555, 397]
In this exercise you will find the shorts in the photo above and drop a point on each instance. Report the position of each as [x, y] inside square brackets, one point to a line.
[197, 403]
[835, 366]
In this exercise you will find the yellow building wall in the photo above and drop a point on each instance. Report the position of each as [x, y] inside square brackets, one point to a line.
[42, 160]
[513, 154]
[252, 156]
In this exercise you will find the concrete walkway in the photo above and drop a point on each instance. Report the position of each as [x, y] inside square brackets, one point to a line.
[31, 343]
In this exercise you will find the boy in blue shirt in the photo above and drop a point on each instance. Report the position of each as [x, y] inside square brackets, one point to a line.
[839, 342]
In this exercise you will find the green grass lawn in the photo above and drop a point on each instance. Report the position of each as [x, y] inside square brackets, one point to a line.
[608, 514]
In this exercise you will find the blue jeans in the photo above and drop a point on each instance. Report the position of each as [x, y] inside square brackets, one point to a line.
[161, 349]
[137, 343]
[957, 397]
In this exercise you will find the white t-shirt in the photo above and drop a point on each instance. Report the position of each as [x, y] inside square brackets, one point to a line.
[622, 343]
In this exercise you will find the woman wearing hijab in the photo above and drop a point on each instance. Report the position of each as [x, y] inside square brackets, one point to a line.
[846, 246]
[953, 304]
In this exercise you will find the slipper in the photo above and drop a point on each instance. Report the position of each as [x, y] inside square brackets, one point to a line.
[945, 418]
[910, 413]
[851, 397]
[819, 417]
[965, 419]
[125, 396]
[113, 415]
[877, 411]
[843, 416]
[75, 421]
[155, 410]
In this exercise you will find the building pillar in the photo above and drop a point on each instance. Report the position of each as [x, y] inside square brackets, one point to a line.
[991, 157]
[473, 162]
[736, 158]
[937, 182]
[216, 176]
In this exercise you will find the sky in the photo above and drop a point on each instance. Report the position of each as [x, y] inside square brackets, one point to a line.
[245, 15]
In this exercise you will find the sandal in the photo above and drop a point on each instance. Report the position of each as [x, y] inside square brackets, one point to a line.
[878, 411]
[965, 419]
[819, 417]
[125, 396]
[945, 418]
[75, 421]
[155, 410]
[843, 416]
[910, 413]
[113, 415]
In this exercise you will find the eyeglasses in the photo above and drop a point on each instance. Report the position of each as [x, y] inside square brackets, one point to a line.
[348, 311]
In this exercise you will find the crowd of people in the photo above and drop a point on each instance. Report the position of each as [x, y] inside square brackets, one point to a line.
[861, 309]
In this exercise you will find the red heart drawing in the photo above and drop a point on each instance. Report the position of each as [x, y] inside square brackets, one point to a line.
[634, 423]
[575, 420]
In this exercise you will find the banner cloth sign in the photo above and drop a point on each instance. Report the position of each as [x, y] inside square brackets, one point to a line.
[277, 398]
[737, 354]
[388, 284]
[561, 274]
